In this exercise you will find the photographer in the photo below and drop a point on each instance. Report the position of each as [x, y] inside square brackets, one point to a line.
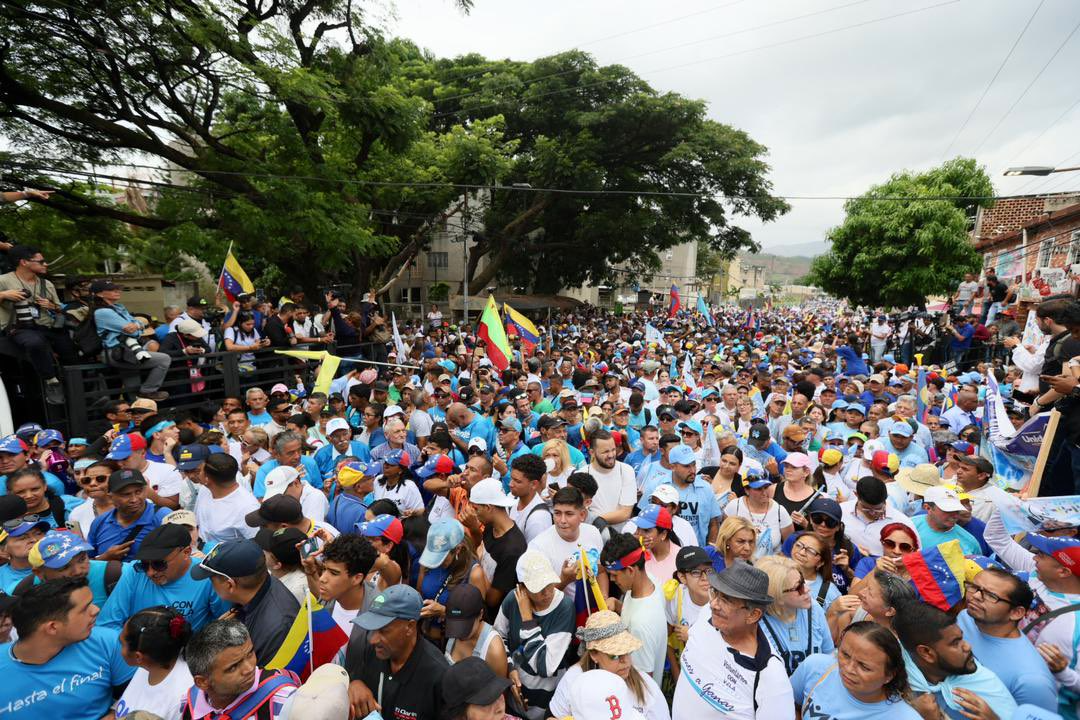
[1061, 372]
[31, 317]
[962, 331]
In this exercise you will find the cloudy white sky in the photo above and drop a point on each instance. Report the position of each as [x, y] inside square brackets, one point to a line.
[871, 94]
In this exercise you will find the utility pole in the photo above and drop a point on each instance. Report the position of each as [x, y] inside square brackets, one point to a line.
[465, 248]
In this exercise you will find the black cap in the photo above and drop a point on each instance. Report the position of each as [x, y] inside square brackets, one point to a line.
[162, 540]
[663, 410]
[487, 389]
[547, 422]
[196, 301]
[463, 606]
[11, 507]
[380, 386]
[759, 433]
[123, 478]
[691, 557]
[471, 681]
[102, 285]
[280, 508]
[235, 558]
[281, 544]
[467, 395]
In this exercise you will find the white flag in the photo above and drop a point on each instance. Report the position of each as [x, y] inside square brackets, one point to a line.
[688, 373]
[1032, 334]
[653, 335]
[399, 346]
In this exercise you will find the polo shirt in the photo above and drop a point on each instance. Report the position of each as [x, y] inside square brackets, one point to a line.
[911, 456]
[414, 692]
[194, 599]
[1015, 661]
[698, 506]
[269, 617]
[106, 531]
[76, 684]
[479, 427]
[326, 457]
[311, 475]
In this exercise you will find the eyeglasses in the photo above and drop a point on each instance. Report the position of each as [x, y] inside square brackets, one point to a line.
[616, 658]
[96, 478]
[721, 599]
[19, 522]
[38, 261]
[698, 573]
[800, 588]
[872, 511]
[893, 545]
[823, 519]
[812, 552]
[992, 597]
[688, 433]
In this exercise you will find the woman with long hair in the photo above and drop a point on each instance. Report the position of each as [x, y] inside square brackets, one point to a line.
[736, 540]
[152, 640]
[816, 415]
[386, 534]
[608, 646]
[744, 413]
[41, 500]
[794, 623]
[811, 553]
[727, 482]
[867, 678]
[448, 560]
[556, 456]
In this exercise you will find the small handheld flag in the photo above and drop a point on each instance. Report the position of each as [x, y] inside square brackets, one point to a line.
[704, 310]
[938, 574]
[234, 281]
[314, 639]
[518, 324]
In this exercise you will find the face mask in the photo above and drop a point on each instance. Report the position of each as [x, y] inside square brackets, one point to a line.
[549, 463]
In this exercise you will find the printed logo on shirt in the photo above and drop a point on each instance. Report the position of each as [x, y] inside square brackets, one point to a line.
[68, 684]
[614, 707]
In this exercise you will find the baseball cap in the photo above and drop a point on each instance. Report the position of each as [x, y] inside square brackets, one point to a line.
[901, 428]
[397, 457]
[354, 471]
[667, 494]
[234, 559]
[438, 465]
[489, 491]
[397, 602]
[511, 423]
[472, 681]
[13, 445]
[443, 536]
[335, 424]
[830, 456]
[878, 378]
[691, 557]
[123, 445]
[123, 478]
[546, 422]
[384, 526]
[11, 507]
[885, 462]
[964, 447]
[534, 571]
[47, 436]
[162, 540]
[181, 517]
[601, 695]
[795, 432]
[191, 327]
[391, 411]
[826, 506]
[857, 407]
[280, 508]
[278, 479]
[798, 459]
[691, 425]
[759, 434]
[682, 455]
[281, 543]
[102, 285]
[196, 301]
[757, 481]
[654, 516]
[84, 462]
[57, 549]
[944, 498]
[463, 605]
[192, 456]
[479, 443]
[1066, 550]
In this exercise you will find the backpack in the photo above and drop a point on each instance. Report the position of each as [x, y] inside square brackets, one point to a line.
[86, 338]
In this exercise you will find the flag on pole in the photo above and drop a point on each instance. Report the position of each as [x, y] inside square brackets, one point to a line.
[490, 330]
[234, 281]
[654, 335]
[704, 310]
[314, 639]
[749, 318]
[675, 303]
[922, 395]
[518, 324]
[399, 345]
[688, 373]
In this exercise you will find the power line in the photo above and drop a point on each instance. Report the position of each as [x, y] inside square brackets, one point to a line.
[1026, 89]
[990, 84]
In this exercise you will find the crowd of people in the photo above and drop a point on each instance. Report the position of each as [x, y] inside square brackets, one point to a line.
[642, 516]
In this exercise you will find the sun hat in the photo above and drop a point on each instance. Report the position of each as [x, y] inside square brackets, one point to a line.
[605, 632]
[917, 480]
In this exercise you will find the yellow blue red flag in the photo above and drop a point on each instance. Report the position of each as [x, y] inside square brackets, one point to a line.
[234, 281]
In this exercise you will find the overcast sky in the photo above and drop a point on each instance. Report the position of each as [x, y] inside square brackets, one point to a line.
[839, 111]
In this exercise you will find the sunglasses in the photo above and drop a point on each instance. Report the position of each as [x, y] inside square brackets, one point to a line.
[18, 522]
[156, 565]
[95, 478]
[893, 545]
[799, 588]
[822, 519]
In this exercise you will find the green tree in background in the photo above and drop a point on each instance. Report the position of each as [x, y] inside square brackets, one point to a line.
[907, 238]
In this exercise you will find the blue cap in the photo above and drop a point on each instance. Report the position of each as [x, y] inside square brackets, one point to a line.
[397, 457]
[27, 431]
[442, 538]
[386, 526]
[123, 445]
[27, 526]
[436, 465]
[448, 365]
[83, 463]
[839, 404]
[653, 516]
[682, 455]
[709, 393]
[192, 456]
[397, 602]
[57, 549]
[511, 423]
[12, 444]
[901, 428]
[826, 506]
[429, 355]
[831, 435]
[888, 357]
[858, 407]
[691, 425]
[78, 441]
[754, 478]
[235, 558]
[47, 436]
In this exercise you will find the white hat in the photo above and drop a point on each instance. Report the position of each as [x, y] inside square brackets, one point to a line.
[872, 446]
[489, 491]
[336, 424]
[280, 387]
[192, 328]
[601, 695]
[391, 411]
[666, 494]
[278, 479]
[535, 572]
[944, 498]
[479, 443]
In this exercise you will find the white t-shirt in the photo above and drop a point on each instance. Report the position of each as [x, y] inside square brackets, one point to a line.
[690, 612]
[615, 488]
[654, 708]
[166, 480]
[534, 524]
[405, 495]
[712, 686]
[224, 518]
[164, 699]
[344, 617]
[82, 516]
[313, 503]
[645, 619]
[966, 290]
[557, 550]
[420, 423]
[768, 525]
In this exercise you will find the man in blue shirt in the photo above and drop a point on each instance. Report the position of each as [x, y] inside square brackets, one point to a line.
[117, 533]
[288, 450]
[341, 444]
[648, 452]
[257, 401]
[697, 502]
[62, 666]
[940, 523]
[163, 577]
[900, 442]
[960, 342]
[510, 441]
[963, 413]
[466, 424]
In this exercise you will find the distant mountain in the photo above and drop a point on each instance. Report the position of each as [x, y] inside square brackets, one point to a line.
[779, 269]
[806, 249]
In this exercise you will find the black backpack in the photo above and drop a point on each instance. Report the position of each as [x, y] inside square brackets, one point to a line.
[86, 338]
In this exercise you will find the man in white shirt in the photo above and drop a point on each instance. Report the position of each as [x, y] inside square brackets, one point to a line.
[223, 503]
[286, 480]
[530, 513]
[196, 311]
[616, 486]
[560, 542]
[867, 513]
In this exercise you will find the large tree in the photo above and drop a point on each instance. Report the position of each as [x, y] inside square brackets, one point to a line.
[906, 238]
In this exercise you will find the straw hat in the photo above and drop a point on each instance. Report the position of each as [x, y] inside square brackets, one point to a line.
[917, 480]
[605, 632]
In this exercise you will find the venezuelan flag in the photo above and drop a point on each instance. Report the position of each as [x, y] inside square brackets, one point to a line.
[491, 331]
[518, 324]
[587, 595]
[938, 574]
[922, 396]
[234, 280]
[675, 302]
[313, 640]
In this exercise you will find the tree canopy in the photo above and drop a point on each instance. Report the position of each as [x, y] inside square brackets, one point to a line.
[298, 132]
[907, 238]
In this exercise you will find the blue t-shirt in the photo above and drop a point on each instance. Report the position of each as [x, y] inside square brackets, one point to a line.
[828, 698]
[77, 684]
[1016, 662]
[929, 537]
[481, 427]
[9, 577]
[966, 330]
[194, 599]
[262, 418]
[853, 362]
[311, 475]
[639, 458]
[105, 531]
[698, 506]
[655, 476]
[801, 638]
[55, 484]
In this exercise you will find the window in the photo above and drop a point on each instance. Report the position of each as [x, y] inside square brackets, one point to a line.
[1046, 251]
[438, 259]
[1074, 248]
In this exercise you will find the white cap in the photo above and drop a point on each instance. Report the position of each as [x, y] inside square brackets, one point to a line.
[601, 695]
[872, 446]
[278, 479]
[280, 387]
[944, 498]
[479, 443]
[391, 411]
[535, 572]
[666, 494]
[489, 491]
[336, 424]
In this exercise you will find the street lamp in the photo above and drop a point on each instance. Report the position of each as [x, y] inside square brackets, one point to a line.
[1040, 170]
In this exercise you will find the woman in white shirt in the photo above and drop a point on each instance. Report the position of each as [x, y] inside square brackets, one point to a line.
[152, 641]
[772, 520]
[244, 338]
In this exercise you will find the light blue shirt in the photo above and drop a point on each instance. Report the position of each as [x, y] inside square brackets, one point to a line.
[326, 457]
[76, 684]
[311, 475]
[110, 322]
[194, 599]
[912, 456]
[828, 698]
[697, 506]
[654, 476]
[797, 640]
[929, 537]
[922, 434]
[1016, 662]
[9, 577]
[54, 483]
[983, 682]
